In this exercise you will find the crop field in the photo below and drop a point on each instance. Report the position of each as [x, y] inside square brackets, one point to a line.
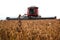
[48, 29]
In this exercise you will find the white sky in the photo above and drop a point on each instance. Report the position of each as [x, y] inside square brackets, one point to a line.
[12, 8]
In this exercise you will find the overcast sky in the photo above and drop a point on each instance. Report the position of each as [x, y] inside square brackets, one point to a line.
[12, 8]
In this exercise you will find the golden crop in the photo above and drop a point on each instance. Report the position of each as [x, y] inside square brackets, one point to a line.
[30, 29]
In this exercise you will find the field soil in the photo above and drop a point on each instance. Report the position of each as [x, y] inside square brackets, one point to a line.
[47, 29]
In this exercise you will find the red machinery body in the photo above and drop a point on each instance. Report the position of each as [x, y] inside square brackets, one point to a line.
[32, 11]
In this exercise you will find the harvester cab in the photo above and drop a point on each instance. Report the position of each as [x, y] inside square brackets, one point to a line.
[32, 11]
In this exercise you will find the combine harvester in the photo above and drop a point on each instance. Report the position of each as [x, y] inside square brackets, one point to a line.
[32, 13]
